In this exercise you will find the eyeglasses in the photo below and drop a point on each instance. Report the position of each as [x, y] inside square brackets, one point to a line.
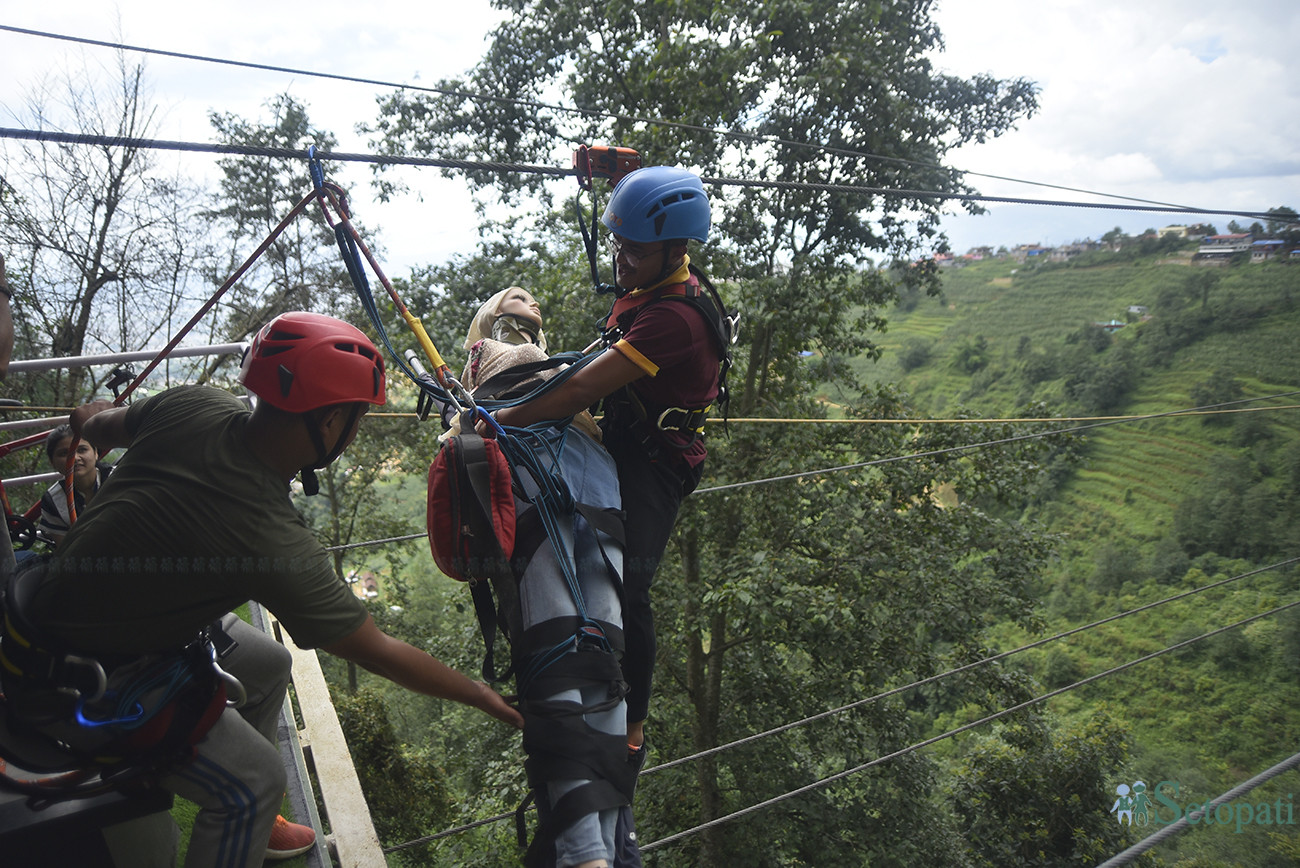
[633, 252]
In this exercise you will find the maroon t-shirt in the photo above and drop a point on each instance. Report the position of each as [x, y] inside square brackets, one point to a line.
[671, 341]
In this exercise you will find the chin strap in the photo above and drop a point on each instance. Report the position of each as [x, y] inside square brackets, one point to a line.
[512, 329]
[310, 484]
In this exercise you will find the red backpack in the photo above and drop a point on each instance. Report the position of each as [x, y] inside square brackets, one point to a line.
[471, 513]
[471, 517]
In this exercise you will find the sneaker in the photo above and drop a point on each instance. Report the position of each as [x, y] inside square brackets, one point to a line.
[289, 839]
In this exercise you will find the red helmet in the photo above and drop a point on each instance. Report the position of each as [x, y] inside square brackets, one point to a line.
[300, 361]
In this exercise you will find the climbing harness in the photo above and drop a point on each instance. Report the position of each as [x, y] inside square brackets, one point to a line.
[724, 330]
[133, 718]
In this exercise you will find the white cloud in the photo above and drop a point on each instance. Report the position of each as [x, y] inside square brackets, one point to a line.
[1159, 100]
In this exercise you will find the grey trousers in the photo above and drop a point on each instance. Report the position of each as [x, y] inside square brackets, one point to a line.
[238, 778]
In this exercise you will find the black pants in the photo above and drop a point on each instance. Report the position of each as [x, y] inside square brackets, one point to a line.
[653, 482]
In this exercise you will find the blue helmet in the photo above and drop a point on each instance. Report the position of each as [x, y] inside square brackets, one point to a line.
[658, 203]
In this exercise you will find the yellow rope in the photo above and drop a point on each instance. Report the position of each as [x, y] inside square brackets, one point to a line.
[745, 420]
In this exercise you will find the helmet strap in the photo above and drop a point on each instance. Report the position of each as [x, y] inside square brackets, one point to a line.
[665, 270]
[310, 485]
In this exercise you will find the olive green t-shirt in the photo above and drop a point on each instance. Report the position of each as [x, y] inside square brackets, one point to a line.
[190, 525]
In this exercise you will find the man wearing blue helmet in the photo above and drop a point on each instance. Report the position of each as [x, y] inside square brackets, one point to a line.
[657, 378]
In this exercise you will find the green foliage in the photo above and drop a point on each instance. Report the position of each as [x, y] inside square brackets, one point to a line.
[778, 71]
[300, 270]
[1149, 510]
[1029, 795]
[406, 791]
[914, 355]
[1221, 388]
[971, 355]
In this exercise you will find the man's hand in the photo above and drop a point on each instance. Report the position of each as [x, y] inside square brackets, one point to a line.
[78, 418]
[496, 705]
[102, 424]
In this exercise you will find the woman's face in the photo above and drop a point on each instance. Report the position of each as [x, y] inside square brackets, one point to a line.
[83, 471]
[519, 303]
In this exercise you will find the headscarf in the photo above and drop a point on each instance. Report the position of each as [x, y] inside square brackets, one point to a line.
[492, 351]
[481, 326]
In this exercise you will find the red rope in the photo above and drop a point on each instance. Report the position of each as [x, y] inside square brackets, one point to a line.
[31, 440]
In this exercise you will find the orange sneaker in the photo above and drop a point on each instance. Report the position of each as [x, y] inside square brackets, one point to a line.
[289, 839]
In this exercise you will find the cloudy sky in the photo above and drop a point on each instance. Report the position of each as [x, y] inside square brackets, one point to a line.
[1163, 100]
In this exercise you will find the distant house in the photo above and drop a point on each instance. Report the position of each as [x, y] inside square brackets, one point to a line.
[1069, 251]
[1263, 251]
[1137, 309]
[945, 260]
[1112, 326]
[1177, 231]
[1030, 251]
[1225, 246]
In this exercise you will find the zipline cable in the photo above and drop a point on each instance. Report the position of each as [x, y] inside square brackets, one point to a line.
[877, 462]
[934, 679]
[382, 159]
[816, 785]
[590, 113]
[1194, 816]
[772, 420]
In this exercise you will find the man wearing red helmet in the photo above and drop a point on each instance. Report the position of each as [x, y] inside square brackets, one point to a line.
[196, 521]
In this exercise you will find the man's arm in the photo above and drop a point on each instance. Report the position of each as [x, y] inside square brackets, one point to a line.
[604, 375]
[405, 665]
[101, 423]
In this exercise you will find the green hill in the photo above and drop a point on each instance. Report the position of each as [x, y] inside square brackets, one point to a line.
[1152, 508]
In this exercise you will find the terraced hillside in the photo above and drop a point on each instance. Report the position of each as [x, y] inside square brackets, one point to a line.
[1022, 333]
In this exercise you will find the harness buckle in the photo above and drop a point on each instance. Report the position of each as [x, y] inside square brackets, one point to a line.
[96, 671]
[732, 324]
[692, 421]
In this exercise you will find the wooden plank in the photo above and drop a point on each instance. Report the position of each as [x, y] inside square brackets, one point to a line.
[353, 838]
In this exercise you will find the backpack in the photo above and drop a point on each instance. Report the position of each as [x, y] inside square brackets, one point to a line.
[471, 509]
[471, 521]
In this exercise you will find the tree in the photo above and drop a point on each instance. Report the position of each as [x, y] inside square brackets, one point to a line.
[971, 355]
[1284, 223]
[1221, 388]
[98, 236]
[777, 601]
[301, 270]
[1030, 795]
[851, 82]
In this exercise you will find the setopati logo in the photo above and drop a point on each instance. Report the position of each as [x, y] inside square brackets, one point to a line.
[1136, 806]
